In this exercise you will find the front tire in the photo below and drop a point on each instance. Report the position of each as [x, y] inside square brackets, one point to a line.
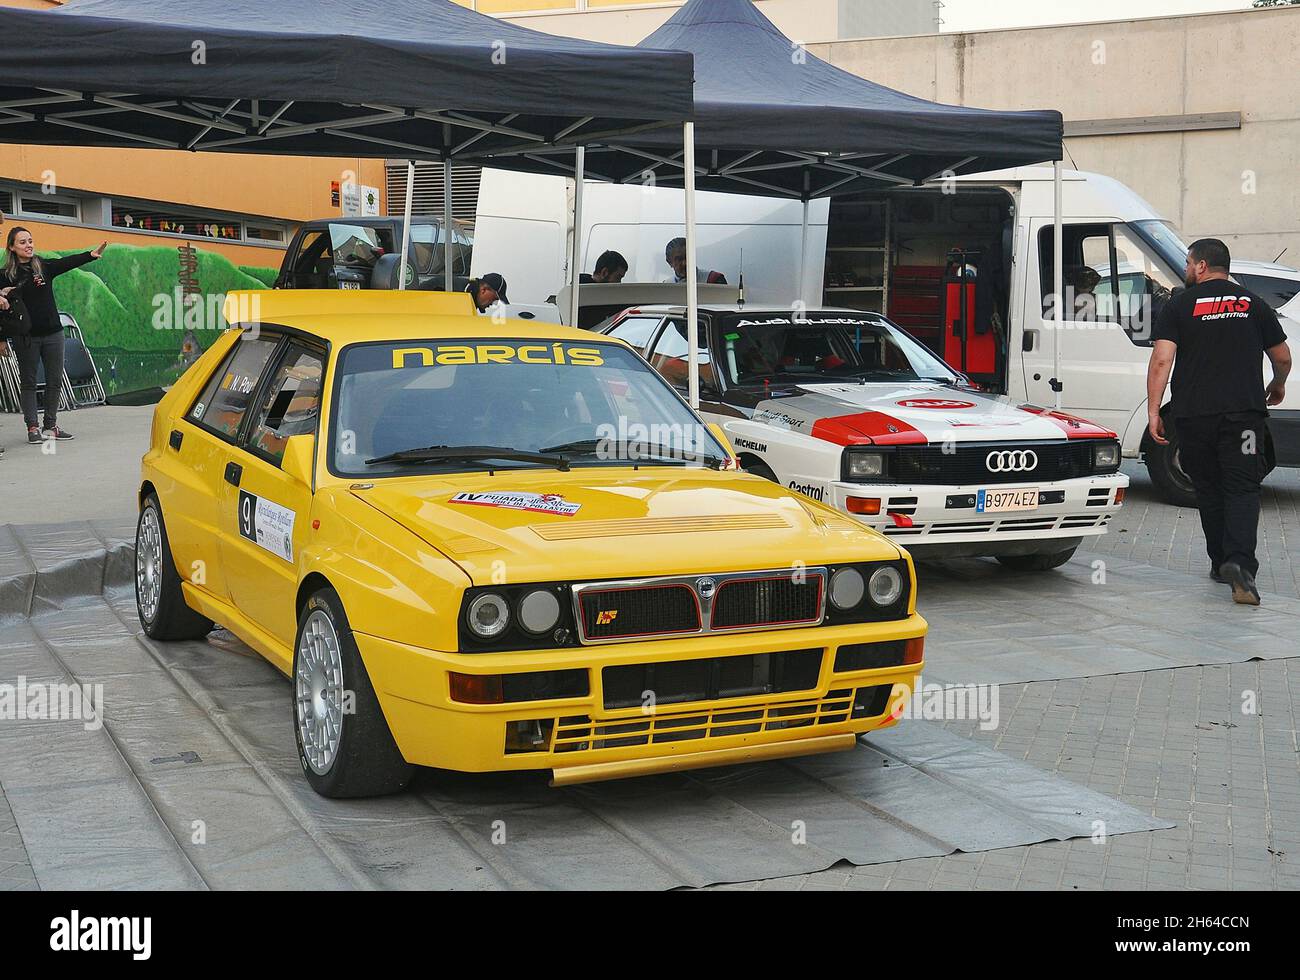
[761, 469]
[1037, 563]
[343, 753]
[159, 600]
[1165, 468]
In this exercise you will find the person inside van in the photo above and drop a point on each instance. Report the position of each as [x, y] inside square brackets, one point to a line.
[675, 256]
[610, 267]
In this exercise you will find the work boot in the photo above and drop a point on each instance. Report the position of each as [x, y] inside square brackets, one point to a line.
[1244, 590]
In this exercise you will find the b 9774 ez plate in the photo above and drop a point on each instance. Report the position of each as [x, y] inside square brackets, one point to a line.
[1011, 498]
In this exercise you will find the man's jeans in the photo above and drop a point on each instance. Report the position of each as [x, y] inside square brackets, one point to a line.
[31, 352]
[1223, 457]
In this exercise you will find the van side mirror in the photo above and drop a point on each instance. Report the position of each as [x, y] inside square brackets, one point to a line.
[298, 459]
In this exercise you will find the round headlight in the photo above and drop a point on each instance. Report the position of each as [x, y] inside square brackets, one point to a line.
[539, 611]
[488, 615]
[885, 586]
[847, 588]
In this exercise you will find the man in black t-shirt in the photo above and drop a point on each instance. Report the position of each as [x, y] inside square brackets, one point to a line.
[1219, 333]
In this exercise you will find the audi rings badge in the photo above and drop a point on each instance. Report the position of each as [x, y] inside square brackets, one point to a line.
[1011, 461]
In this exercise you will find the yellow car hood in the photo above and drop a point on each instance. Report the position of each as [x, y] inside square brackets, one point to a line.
[595, 523]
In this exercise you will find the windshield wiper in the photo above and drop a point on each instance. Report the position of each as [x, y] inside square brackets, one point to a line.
[433, 454]
[645, 452]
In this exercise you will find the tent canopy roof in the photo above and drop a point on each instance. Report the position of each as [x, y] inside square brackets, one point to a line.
[772, 118]
[423, 78]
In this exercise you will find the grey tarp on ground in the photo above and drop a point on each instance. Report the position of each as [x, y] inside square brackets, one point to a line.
[979, 633]
[769, 114]
[197, 741]
[141, 73]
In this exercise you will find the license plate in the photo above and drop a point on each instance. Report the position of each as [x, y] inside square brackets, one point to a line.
[349, 285]
[996, 501]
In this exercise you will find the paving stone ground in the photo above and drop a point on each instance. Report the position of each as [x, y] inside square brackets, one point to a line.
[1175, 743]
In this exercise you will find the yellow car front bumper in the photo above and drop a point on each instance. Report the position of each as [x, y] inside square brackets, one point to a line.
[582, 739]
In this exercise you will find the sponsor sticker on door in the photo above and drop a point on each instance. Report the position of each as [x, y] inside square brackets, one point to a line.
[542, 503]
[266, 524]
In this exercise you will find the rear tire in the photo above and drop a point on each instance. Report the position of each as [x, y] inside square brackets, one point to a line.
[1036, 563]
[1166, 471]
[342, 754]
[159, 599]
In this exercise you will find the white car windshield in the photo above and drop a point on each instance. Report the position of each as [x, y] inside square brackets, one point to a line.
[762, 348]
[427, 405]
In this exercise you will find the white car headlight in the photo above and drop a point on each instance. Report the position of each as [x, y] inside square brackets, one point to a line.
[847, 588]
[863, 466]
[489, 615]
[1105, 455]
[539, 611]
[885, 585]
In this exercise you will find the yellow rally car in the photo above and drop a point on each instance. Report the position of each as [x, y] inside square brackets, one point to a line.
[483, 545]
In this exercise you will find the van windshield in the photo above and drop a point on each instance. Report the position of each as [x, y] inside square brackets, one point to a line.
[1165, 238]
[761, 348]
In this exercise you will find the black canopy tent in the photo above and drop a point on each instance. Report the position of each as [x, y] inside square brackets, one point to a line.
[773, 119]
[410, 78]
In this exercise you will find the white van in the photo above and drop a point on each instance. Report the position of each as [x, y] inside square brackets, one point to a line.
[911, 253]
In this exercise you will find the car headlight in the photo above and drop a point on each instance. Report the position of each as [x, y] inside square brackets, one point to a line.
[489, 615]
[885, 586]
[539, 611]
[865, 466]
[847, 588]
[1105, 456]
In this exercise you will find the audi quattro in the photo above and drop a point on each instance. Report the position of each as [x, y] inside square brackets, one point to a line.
[848, 409]
[501, 546]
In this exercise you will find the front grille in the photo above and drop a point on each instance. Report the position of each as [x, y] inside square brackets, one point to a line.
[965, 464]
[779, 600]
[639, 611]
[581, 733]
[711, 678]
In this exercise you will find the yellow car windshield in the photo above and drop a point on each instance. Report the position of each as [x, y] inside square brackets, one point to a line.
[588, 401]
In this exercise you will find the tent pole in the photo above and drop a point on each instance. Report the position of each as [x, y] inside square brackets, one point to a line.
[801, 292]
[1058, 280]
[448, 231]
[692, 289]
[575, 262]
[406, 223]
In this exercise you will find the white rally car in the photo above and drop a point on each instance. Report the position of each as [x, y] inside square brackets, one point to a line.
[848, 408]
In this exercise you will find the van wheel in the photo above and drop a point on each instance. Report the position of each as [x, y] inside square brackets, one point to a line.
[759, 469]
[1037, 563]
[1166, 470]
[343, 753]
[159, 601]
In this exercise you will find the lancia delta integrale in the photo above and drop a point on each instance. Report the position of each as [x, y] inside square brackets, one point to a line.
[482, 545]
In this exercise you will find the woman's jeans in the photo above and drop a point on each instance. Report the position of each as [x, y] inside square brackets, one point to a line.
[32, 351]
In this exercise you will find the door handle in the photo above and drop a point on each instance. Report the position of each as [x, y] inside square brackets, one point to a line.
[175, 439]
[234, 473]
[1027, 340]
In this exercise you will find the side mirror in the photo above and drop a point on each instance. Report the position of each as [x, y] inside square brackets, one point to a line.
[299, 456]
[721, 435]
